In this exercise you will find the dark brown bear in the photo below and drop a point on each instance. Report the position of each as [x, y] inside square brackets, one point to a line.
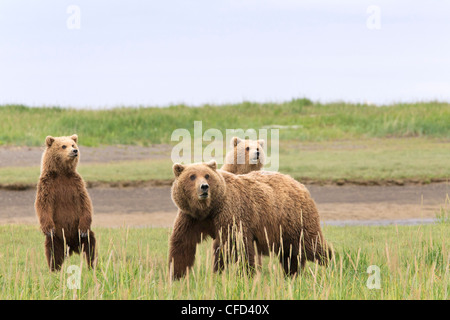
[62, 205]
[265, 206]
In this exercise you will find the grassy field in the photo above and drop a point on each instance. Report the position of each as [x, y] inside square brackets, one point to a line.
[398, 160]
[318, 142]
[413, 263]
[302, 119]
[325, 143]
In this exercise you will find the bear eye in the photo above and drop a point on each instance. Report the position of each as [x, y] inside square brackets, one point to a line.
[192, 177]
[64, 147]
[207, 176]
[248, 148]
[73, 146]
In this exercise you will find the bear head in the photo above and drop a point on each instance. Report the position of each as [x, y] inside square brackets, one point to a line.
[198, 188]
[249, 153]
[61, 153]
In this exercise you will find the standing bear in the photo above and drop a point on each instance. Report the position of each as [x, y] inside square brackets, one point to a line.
[270, 211]
[63, 205]
[246, 156]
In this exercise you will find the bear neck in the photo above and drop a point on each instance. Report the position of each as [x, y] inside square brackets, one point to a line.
[231, 164]
[197, 210]
[200, 214]
[242, 168]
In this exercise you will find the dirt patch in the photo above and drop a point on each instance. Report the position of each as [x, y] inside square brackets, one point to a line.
[373, 182]
[307, 181]
[153, 206]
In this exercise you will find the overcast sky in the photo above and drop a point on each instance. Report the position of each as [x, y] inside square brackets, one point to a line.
[107, 53]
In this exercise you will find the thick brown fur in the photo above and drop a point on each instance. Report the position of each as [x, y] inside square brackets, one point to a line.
[63, 205]
[246, 156]
[271, 211]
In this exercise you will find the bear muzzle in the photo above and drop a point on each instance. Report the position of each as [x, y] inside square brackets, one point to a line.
[74, 153]
[255, 158]
[204, 191]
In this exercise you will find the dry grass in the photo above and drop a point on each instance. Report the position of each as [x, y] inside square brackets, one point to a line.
[413, 261]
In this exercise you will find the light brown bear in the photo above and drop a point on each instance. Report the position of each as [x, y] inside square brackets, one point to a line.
[63, 205]
[246, 156]
[266, 207]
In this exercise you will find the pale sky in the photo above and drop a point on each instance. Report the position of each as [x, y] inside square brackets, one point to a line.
[157, 53]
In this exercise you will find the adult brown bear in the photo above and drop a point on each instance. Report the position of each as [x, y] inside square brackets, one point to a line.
[272, 211]
[63, 205]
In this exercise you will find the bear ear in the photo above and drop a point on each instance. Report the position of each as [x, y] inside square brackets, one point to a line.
[261, 142]
[177, 169]
[235, 141]
[74, 137]
[212, 164]
[49, 141]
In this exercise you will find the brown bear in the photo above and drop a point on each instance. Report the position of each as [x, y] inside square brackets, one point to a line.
[63, 205]
[246, 156]
[272, 211]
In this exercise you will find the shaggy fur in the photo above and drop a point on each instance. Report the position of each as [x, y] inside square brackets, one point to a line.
[271, 211]
[246, 156]
[62, 204]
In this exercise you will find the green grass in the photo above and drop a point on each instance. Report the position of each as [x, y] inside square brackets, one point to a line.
[120, 171]
[413, 261]
[303, 121]
[375, 160]
[320, 142]
[402, 159]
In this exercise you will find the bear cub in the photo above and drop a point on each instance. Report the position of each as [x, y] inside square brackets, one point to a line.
[63, 206]
[246, 156]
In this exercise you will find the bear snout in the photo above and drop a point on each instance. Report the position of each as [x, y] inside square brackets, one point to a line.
[204, 188]
[73, 153]
[254, 159]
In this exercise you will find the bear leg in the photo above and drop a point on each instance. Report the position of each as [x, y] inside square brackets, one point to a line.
[88, 248]
[54, 251]
[324, 253]
[250, 255]
[317, 249]
[219, 263]
[289, 259]
[252, 259]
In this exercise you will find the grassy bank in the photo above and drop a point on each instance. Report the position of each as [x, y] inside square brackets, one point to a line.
[301, 120]
[358, 161]
[413, 263]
